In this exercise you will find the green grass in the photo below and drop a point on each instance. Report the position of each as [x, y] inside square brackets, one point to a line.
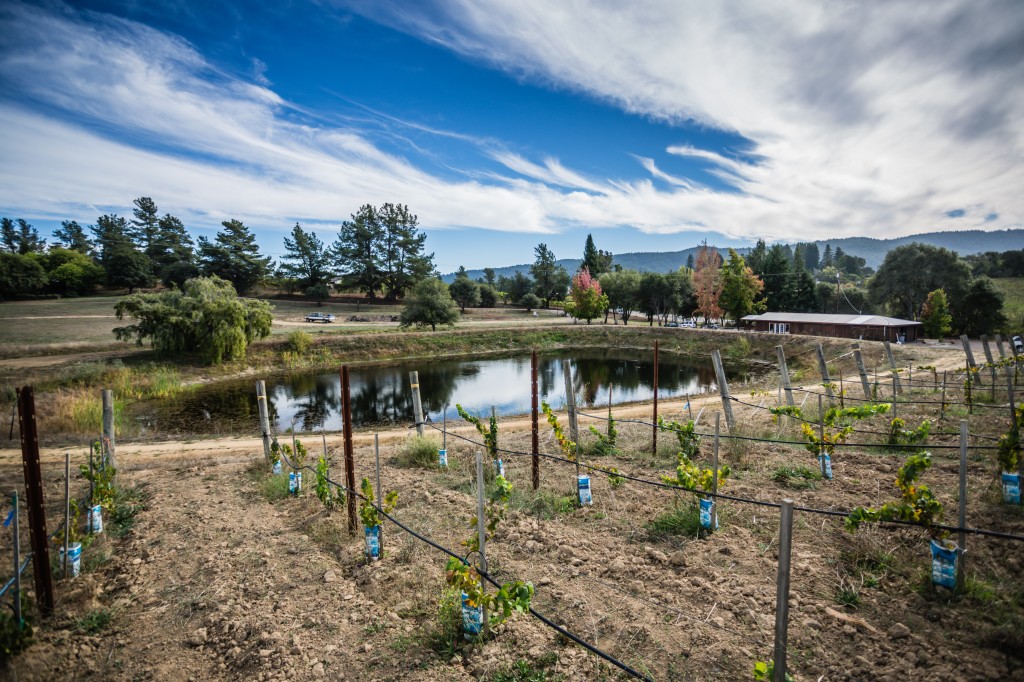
[797, 478]
[93, 622]
[681, 521]
[542, 503]
[60, 326]
[1013, 305]
[530, 671]
[419, 451]
[275, 487]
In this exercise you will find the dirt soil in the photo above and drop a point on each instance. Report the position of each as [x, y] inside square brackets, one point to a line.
[218, 579]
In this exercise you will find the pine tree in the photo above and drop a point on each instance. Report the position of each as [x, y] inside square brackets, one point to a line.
[594, 260]
[19, 237]
[73, 236]
[112, 233]
[234, 256]
[402, 260]
[146, 223]
[355, 250]
[310, 262]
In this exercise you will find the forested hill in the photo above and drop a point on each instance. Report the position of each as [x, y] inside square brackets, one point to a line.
[872, 250]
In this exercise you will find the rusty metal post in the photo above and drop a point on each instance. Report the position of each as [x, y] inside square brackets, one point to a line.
[350, 472]
[34, 497]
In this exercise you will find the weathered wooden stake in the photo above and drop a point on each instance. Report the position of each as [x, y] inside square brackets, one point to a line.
[34, 496]
[863, 371]
[570, 402]
[942, 405]
[991, 363]
[897, 385]
[350, 470]
[714, 463]
[782, 591]
[723, 388]
[109, 442]
[534, 420]
[417, 403]
[261, 403]
[784, 375]
[826, 381]
[966, 343]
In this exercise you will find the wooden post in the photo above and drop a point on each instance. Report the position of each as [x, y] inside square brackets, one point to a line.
[999, 345]
[842, 389]
[826, 381]
[417, 403]
[261, 402]
[654, 429]
[714, 465]
[34, 497]
[991, 362]
[109, 441]
[942, 405]
[897, 384]
[1016, 361]
[784, 374]
[863, 371]
[534, 430]
[570, 402]
[966, 343]
[350, 472]
[723, 388]
[782, 591]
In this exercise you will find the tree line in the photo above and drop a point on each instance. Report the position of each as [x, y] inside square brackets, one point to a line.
[380, 251]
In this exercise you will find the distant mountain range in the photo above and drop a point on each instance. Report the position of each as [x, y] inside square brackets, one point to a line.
[871, 250]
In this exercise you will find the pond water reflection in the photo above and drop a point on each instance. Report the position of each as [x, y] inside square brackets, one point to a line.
[381, 394]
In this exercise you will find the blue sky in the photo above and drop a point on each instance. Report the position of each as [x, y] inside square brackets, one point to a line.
[651, 125]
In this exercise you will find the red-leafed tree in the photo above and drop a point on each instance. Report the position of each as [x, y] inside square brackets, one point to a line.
[707, 280]
[586, 300]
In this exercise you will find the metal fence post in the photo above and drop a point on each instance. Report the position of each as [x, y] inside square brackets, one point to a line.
[350, 474]
[534, 427]
[962, 507]
[481, 527]
[34, 495]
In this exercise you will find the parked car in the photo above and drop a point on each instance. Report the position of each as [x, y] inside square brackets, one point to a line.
[320, 317]
[1018, 343]
[671, 324]
[690, 324]
[711, 325]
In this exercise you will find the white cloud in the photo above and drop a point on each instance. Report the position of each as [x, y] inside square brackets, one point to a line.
[865, 118]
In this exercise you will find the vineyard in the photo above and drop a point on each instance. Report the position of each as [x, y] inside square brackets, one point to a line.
[603, 543]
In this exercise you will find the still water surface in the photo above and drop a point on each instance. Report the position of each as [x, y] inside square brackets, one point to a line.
[382, 394]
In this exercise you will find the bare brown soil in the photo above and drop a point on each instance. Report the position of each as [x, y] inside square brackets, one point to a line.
[215, 582]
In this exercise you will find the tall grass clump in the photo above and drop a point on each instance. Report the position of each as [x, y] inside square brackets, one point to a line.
[418, 451]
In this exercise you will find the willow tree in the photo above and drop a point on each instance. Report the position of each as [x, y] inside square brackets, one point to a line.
[205, 317]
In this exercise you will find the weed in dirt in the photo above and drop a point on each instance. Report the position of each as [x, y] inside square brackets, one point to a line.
[275, 487]
[128, 502]
[543, 504]
[445, 634]
[526, 671]
[683, 520]
[796, 478]
[420, 452]
[848, 595]
[93, 561]
[376, 625]
[93, 622]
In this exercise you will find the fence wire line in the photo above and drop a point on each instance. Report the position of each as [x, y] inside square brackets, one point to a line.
[733, 498]
[905, 402]
[726, 436]
[484, 574]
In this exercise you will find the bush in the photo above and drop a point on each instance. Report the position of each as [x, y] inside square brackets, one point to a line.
[300, 341]
[418, 451]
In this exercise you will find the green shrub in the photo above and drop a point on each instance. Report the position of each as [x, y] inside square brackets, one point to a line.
[418, 451]
[300, 341]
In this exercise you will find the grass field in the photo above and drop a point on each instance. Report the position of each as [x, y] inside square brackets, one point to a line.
[1013, 306]
[77, 325]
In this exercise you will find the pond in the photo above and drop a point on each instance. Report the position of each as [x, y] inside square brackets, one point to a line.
[382, 395]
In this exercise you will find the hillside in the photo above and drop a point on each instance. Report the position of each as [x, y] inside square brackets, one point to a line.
[872, 250]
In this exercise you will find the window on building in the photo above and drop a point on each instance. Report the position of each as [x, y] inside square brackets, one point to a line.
[778, 327]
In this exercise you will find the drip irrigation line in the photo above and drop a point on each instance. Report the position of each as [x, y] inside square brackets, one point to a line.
[747, 500]
[539, 616]
[24, 565]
